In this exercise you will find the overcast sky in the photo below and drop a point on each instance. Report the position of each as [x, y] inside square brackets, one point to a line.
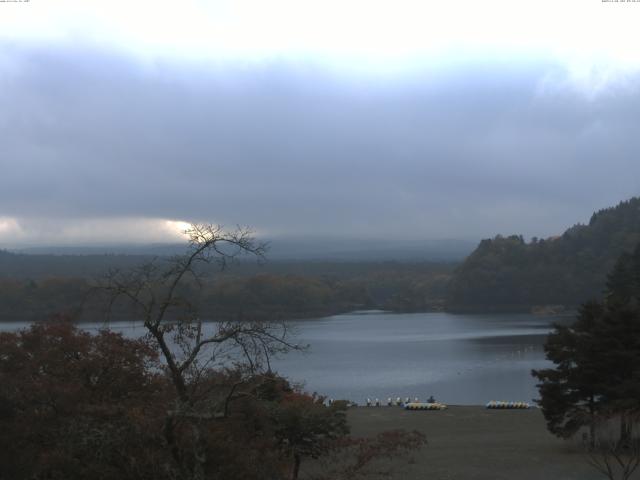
[400, 120]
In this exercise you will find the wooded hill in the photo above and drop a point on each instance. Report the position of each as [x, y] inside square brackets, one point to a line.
[33, 287]
[502, 274]
[510, 274]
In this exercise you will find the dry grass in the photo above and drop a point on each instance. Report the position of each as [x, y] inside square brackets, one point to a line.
[476, 443]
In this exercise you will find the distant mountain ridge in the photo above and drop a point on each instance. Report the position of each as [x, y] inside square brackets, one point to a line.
[507, 273]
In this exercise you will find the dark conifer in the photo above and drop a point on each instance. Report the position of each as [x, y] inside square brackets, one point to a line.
[597, 359]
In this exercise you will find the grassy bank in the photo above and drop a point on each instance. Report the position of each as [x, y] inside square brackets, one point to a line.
[476, 443]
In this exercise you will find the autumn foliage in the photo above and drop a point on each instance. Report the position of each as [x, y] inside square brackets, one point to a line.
[75, 405]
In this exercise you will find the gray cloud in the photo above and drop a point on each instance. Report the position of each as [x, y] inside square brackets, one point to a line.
[464, 151]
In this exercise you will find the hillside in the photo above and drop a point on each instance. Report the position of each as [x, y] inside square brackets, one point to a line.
[507, 273]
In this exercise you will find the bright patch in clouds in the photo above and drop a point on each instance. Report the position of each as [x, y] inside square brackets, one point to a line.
[9, 229]
[177, 227]
[376, 33]
[105, 231]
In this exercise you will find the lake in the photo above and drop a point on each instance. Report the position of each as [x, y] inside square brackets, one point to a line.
[459, 359]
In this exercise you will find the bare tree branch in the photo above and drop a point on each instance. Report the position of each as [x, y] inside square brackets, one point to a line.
[171, 319]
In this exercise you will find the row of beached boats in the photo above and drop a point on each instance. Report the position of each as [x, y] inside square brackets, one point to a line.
[502, 405]
[431, 404]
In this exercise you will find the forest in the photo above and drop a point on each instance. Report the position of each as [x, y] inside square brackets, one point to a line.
[506, 273]
[511, 274]
[35, 286]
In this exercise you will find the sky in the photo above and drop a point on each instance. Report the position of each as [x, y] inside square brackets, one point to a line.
[391, 120]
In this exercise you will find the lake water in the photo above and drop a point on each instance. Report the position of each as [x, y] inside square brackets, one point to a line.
[459, 359]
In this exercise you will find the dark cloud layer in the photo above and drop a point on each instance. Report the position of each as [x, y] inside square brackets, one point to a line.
[462, 151]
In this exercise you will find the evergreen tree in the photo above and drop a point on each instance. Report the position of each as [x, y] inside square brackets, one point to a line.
[623, 284]
[569, 393]
[597, 359]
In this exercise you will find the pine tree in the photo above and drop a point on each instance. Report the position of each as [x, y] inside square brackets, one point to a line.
[597, 359]
[623, 284]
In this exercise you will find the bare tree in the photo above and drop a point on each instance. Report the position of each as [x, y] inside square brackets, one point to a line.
[614, 450]
[161, 293]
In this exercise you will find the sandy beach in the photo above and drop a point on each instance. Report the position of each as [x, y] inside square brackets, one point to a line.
[471, 442]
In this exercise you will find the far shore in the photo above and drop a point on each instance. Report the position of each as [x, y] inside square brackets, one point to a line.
[552, 311]
[472, 442]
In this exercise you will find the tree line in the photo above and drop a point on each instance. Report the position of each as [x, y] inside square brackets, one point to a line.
[397, 287]
[502, 274]
[509, 273]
